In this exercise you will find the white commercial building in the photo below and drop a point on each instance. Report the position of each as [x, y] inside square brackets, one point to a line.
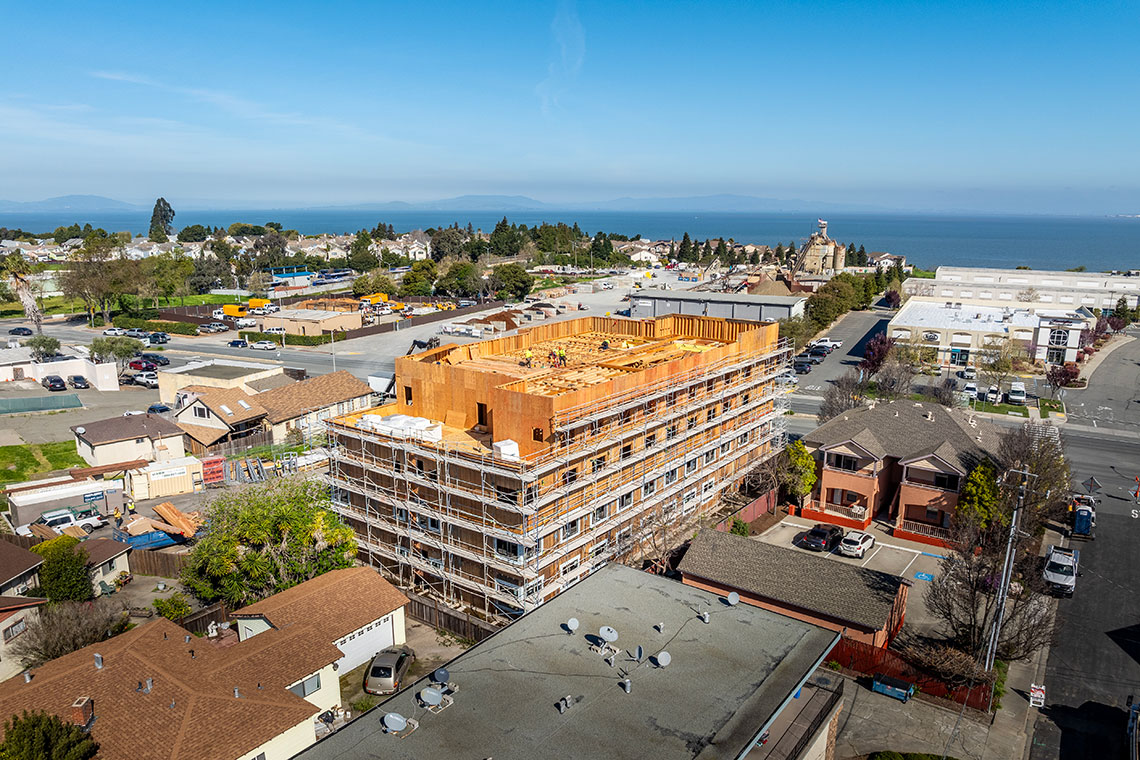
[960, 331]
[1066, 290]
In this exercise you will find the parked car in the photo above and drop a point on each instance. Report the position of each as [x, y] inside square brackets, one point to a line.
[158, 409]
[244, 322]
[54, 383]
[1062, 566]
[274, 331]
[217, 326]
[238, 343]
[993, 395]
[968, 373]
[830, 342]
[258, 312]
[823, 537]
[78, 382]
[807, 358]
[20, 331]
[158, 359]
[133, 412]
[820, 351]
[146, 379]
[88, 519]
[387, 670]
[971, 390]
[788, 378]
[139, 333]
[218, 314]
[159, 338]
[856, 544]
[1016, 394]
[143, 365]
[114, 331]
[264, 345]
[271, 308]
[802, 368]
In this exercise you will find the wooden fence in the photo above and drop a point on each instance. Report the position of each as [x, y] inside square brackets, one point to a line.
[199, 622]
[24, 542]
[162, 564]
[460, 624]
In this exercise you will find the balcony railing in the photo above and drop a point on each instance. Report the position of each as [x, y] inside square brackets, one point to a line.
[926, 529]
[852, 511]
[860, 473]
[930, 486]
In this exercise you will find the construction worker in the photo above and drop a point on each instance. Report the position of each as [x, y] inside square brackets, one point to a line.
[528, 355]
[131, 507]
[562, 357]
[118, 517]
[606, 345]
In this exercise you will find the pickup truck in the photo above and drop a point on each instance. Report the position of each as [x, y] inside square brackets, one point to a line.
[830, 343]
[1061, 570]
[58, 519]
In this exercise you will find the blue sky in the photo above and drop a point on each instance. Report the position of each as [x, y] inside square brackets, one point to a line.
[973, 106]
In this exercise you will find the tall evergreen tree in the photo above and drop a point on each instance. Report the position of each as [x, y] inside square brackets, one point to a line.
[685, 252]
[161, 221]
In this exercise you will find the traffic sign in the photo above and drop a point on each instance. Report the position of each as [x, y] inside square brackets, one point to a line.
[1092, 485]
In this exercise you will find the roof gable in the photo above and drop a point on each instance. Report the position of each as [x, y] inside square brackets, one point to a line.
[310, 395]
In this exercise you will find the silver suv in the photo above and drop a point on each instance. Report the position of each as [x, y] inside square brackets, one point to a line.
[1061, 570]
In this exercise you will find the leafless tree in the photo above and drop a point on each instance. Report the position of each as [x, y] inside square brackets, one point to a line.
[1036, 446]
[62, 628]
[941, 392]
[895, 378]
[847, 392]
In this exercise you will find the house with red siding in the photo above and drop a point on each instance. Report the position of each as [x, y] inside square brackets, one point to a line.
[900, 462]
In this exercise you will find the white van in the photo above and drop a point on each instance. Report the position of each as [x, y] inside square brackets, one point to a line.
[274, 331]
[218, 314]
[245, 322]
[1016, 394]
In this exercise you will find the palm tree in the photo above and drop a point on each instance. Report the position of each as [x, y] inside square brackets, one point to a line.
[17, 271]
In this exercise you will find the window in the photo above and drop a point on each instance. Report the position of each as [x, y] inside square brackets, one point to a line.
[727, 404]
[570, 529]
[569, 567]
[742, 440]
[949, 482]
[569, 477]
[671, 399]
[625, 501]
[597, 549]
[308, 686]
[598, 464]
[670, 432]
[627, 451]
[651, 439]
[536, 434]
[407, 395]
[401, 514]
[600, 514]
[711, 414]
[726, 447]
[201, 412]
[1055, 356]
[708, 487]
[933, 514]
[1058, 337]
[15, 629]
[649, 489]
[710, 456]
[843, 462]
[670, 477]
[745, 398]
[691, 466]
[692, 422]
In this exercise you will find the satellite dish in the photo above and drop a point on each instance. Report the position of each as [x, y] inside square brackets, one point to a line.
[639, 653]
[394, 722]
[608, 634]
[572, 624]
[80, 430]
[431, 697]
[733, 598]
[440, 675]
[663, 658]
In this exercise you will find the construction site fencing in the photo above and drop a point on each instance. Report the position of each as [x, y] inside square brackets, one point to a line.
[459, 624]
[162, 564]
[869, 660]
[39, 403]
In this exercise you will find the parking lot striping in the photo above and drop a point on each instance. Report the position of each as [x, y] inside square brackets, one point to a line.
[908, 564]
[877, 550]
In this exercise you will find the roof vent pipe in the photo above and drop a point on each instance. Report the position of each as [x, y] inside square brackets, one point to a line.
[98, 662]
[27, 676]
[237, 694]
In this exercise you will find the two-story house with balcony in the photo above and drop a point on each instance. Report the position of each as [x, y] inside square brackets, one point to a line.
[901, 462]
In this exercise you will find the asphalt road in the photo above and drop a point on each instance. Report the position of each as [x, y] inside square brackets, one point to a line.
[855, 328]
[1112, 399]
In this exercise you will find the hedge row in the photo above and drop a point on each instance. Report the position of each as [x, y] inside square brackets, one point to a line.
[176, 328]
[290, 340]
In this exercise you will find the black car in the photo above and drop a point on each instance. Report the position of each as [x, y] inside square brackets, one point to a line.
[20, 331]
[78, 381]
[823, 538]
[158, 359]
[239, 343]
[157, 409]
[821, 351]
[54, 383]
[159, 337]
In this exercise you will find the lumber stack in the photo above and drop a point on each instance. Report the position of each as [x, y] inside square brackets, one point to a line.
[187, 523]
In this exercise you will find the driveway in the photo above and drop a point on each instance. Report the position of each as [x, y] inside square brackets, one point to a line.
[855, 329]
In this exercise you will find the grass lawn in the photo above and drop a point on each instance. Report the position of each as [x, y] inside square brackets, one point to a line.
[985, 406]
[1048, 406]
[19, 463]
[61, 305]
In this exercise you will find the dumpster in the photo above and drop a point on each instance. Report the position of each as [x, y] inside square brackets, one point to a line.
[892, 687]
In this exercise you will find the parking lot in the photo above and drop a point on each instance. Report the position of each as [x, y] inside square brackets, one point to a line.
[914, 562]
[855, 329]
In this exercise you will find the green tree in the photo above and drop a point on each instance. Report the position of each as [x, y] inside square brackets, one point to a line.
[980, 498]
[461, 279]
[161, 221]
[360, 255]
[1121, 310]
[43, 347]
[63, 575]
[209, 272]
[266, 538]
[41, 736]
[195, 233]
[511, 281]
[799, 474]
[504, 240]
[686, 252]
[739, 527]
[420, 281]
[799, 330]
[175, 607]
[446, 243]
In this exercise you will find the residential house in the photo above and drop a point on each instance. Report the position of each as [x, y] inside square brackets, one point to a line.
[357, 610]
[107, 559]
[863, 604]
[16, 614]
[222, 374]
[19, 569]
[148, 437]
[214, 415]
[656, 682]
[901, 461]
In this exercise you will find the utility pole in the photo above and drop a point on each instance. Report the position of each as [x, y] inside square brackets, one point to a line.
[1007, 567]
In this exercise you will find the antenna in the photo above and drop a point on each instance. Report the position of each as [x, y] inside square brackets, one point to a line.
[663, 659]
[431, 697]
[440, 675]
[394, 722]
[733, 599]
[571, 625]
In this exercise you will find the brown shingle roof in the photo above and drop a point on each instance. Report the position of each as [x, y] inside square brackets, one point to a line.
[126, 428]
[271, 382]
[309, 395]
[100, 550]
[15, 561]
[232, 399]
[191, 712]
[342, 600]
[202, 434]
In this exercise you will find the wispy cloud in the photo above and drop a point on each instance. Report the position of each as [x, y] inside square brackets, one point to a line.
[570, 40]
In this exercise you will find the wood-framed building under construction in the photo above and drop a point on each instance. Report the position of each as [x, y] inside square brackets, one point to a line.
[506, 470]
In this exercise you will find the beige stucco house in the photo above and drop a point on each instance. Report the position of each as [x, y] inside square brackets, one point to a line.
[138, 437]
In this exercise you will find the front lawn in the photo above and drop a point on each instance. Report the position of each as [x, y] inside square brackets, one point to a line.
[1048, 406]
[985, 406]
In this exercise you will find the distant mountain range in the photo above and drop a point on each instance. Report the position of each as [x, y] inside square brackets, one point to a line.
[78, 203]
[698, 204]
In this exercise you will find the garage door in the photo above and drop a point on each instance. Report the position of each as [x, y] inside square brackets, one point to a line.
[359, 647]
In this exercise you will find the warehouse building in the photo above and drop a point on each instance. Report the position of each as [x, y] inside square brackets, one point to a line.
[507, 470]
[1061, 290]
[650, 304]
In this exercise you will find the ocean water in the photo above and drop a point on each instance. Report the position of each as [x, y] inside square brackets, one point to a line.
[1040, 242]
